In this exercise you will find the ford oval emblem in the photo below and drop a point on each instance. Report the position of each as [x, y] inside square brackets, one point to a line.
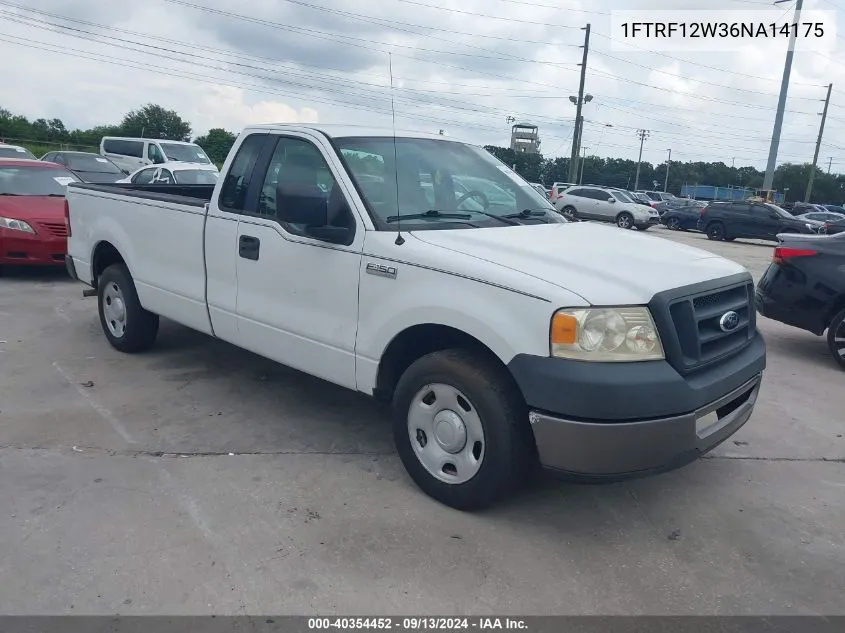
[729, 321]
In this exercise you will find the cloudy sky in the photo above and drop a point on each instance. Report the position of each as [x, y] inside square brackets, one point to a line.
[464, 70]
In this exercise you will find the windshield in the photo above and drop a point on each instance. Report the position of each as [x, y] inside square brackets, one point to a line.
[779, 211]
[444, 176]
[185, 153]
[196, 177]
[15, 152]
[34, 181]
[91, 163]
[622, 196]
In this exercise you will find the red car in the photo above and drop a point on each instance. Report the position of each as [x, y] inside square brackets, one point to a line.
[33, 229]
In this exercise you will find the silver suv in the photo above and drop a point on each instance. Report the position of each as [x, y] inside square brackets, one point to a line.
[606, 205]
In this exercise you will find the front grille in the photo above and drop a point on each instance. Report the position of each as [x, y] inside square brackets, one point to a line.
[59, 229]
[696, 320]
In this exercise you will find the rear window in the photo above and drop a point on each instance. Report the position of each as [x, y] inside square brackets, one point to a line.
[122, 147]
[34, 181]
[15, 152]
[196, 177]
[91, 163]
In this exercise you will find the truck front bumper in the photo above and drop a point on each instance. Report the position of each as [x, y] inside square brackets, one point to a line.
[637, 420]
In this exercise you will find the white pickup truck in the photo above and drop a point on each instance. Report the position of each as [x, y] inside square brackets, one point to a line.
[503, 335]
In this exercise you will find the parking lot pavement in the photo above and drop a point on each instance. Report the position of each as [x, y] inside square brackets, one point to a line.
[199, 478]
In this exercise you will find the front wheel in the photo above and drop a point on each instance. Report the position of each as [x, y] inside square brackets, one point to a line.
[673, 224]
[836, 338]
[127, 325]
[716, 232]
[624, 220]
[570, 213]
[461, 429]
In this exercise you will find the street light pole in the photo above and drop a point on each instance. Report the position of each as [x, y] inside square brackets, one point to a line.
[666, 182]
[784, 88]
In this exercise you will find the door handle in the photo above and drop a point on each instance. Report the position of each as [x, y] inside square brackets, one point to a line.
[248, 247]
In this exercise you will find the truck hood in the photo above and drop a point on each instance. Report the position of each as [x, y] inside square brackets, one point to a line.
[602, 264]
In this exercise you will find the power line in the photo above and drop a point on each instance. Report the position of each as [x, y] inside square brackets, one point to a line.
[356, 84]
[26, 43]
[700, 81]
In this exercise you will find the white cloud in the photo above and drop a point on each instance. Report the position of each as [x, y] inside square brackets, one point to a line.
[460, 73]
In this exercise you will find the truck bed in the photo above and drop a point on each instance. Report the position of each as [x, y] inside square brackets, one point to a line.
[192, 195]
[159, 230]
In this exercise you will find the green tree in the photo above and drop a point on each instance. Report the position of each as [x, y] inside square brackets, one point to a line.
[217, 144]
[154, 121]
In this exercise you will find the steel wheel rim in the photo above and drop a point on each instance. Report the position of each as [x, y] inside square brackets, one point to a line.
[446, 433]
[715, 232]
[114, 309]
[839, 340]
[624, 222]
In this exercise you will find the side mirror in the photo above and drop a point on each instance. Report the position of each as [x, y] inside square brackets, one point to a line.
[297, 204]
[611, 199]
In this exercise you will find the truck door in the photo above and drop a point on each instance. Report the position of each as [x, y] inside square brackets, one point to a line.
[238, 192]
[297, 298]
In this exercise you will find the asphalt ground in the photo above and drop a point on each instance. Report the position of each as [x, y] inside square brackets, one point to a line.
[199, 478]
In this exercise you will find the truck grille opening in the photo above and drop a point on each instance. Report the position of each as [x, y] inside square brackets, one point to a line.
[714, 325]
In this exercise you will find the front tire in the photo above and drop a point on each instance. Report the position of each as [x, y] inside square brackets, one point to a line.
[716, 231]
[127, 325]
[570, 213]
[624, 220]
[836, 338]
[461, 429]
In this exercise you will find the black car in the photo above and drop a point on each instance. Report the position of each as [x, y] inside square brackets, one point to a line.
[751, 220]
[804, 287]
[88, 167]
[680, 214]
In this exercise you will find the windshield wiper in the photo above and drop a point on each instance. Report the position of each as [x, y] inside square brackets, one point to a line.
[526, 213]
[431, 213]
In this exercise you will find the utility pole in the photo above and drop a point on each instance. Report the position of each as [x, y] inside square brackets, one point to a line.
[784, 88]
[818, 145]
[576, 134]
[643, 134]
[666, 182]
[583, 156]
[829, 163]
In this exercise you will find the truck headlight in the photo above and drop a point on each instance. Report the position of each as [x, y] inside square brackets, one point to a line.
[620, 334]
[15, 225]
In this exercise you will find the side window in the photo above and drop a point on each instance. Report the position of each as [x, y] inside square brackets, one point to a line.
[758, 210]
[578, 193]
[740, 208]
[595, 194]
[154, 154]
[237, 180]
[144, 177]
[164, 176]
[299, 178]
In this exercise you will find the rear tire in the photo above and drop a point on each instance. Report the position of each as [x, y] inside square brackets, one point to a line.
[569, 212]
[625, 220]
[673, 224]
[716, 231]
[834, 332]
[127, 325]
[461, 429]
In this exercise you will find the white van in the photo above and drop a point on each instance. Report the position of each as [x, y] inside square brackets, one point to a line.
[131, 153]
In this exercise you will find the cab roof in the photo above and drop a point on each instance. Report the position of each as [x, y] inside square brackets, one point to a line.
[339, 130]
